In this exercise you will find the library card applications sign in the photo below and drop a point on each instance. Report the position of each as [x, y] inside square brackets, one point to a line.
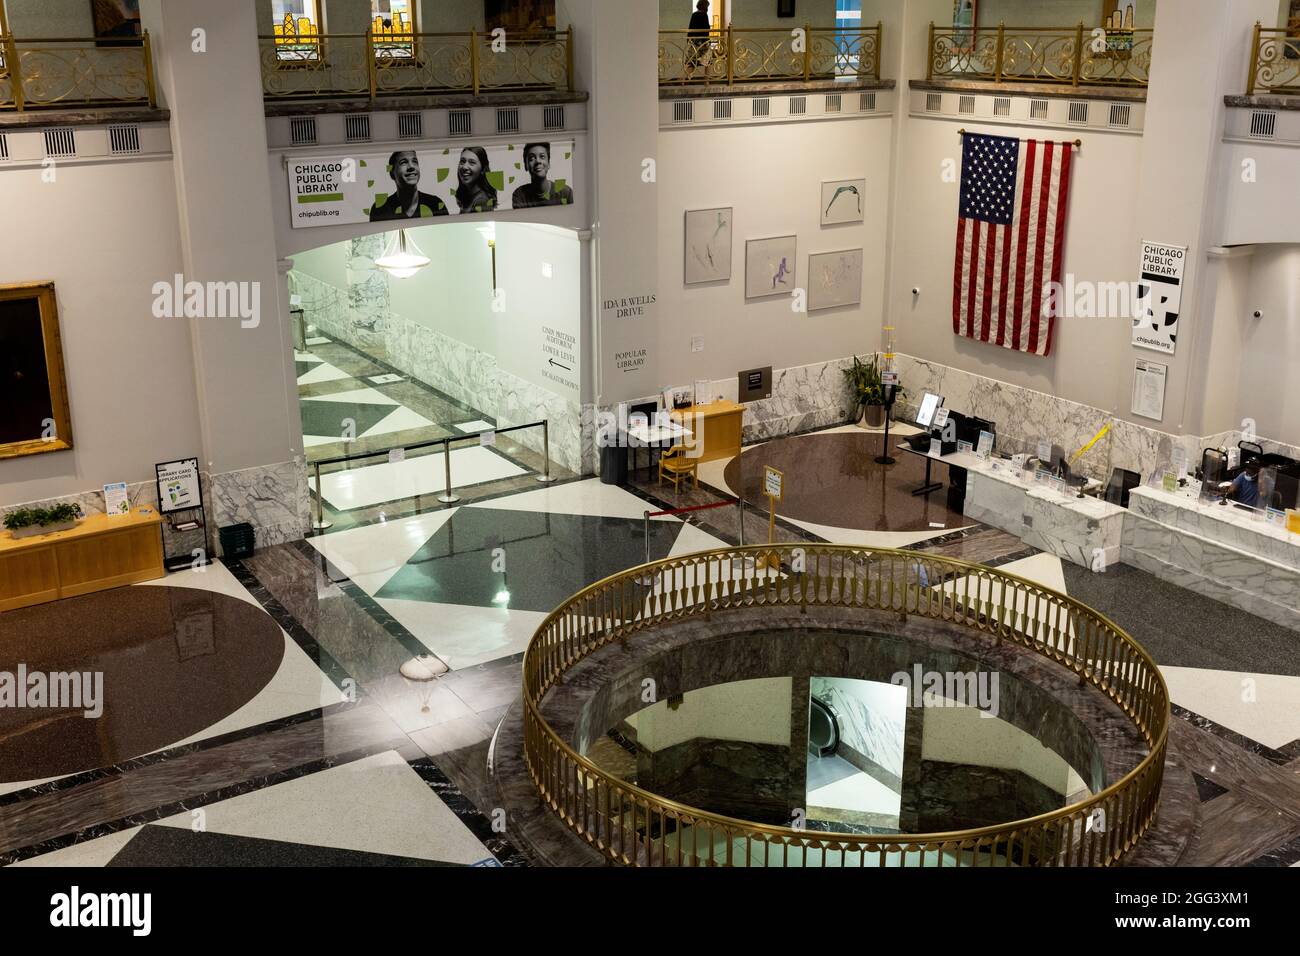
[428, 184]
[1160, 297]
[178, 485]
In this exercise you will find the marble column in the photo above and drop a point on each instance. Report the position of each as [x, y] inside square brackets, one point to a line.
[368, 293]
[913, 737]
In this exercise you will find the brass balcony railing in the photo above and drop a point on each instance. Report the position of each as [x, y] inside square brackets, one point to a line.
[1070, 56]
[632, 826]
[366, 65]
[58, 72]
[1274, 61]
[738, 55]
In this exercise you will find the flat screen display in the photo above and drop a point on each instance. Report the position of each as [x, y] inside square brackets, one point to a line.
[929, 404]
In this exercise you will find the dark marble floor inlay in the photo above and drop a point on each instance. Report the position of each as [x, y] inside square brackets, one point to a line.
[174, 846]
[174, 662]
[1207, 789]
[833, 479]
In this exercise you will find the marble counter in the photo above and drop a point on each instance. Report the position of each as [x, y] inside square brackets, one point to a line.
[1085, 531]
[1220, 551]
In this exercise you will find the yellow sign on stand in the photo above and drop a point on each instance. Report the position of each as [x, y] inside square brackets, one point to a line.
[774, 488]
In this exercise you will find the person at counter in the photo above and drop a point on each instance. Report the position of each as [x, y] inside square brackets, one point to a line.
[1244, 489]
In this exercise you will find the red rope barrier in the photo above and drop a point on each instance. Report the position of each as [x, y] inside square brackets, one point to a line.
[682, 511]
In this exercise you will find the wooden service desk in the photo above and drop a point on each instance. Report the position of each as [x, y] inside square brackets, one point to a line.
[98, 554]
[718, 425]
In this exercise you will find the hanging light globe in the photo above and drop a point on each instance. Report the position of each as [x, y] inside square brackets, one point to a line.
[402, 258]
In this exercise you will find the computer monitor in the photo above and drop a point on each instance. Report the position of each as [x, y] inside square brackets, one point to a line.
[929, 405]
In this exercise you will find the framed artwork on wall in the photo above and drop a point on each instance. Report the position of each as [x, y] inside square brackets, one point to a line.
[770, 266]
[708, 245]
[842, 201]
[835, 279]
[33, 391]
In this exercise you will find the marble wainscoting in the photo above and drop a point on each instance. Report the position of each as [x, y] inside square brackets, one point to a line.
[1023, 416]
[454, 368]
[1236, 561]
[92, 502]
[274, 499]
[804, 398]
[326, 308]
[522, 402]
[1229, 439]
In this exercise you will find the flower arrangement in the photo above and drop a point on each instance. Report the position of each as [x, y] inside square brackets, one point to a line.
[868, 392]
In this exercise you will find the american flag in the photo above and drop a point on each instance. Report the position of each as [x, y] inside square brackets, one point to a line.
[1010, 236]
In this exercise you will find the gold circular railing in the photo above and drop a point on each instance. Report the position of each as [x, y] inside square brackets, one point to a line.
[632, 826]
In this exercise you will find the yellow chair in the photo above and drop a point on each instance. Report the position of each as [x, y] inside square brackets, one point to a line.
[675, 466]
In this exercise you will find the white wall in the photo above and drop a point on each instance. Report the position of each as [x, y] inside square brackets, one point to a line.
[771, 176]
[963, 735]
[1270, 361]
[1057, 13]
[50, 18]
[757, 711]
[676, 14]
[105, 233]
[1089, 360]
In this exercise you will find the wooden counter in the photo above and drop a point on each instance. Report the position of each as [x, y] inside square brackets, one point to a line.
[719, 425]
[98, 554]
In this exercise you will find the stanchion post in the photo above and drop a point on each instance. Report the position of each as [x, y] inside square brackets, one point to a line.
[546, 477]
[447, 497]
[320, 524]
[646, 579]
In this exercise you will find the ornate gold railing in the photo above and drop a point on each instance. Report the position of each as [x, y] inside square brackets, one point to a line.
[632, 826]
[1070, 56]
[351, 65]
[737, 55]
[1274, 61]
[64, 72]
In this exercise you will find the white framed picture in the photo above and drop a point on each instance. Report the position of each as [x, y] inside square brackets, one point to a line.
[843, 200]
[770, 266]
[834, 279]
[708, 245]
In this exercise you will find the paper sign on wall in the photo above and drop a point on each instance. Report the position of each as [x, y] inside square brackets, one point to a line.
[178, 485]
[1149, 389]
[1160, 296]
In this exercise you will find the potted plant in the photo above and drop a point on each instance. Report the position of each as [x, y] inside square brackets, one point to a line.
[25, 522]
[868, 393]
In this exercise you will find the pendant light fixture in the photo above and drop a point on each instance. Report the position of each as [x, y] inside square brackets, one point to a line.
[402, 258]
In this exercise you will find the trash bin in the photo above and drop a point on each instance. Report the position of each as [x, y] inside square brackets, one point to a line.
[613, 465]
[237, 540]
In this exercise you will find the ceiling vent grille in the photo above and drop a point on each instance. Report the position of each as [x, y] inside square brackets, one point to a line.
[123, 139]
[798, 105]
[508, 119]
[410, 125]
[834, 103]
[459, 123]
[762, 106]
[933, 102]
[1263, 124]
[722, 109]
[1078, 112]
[1038, 109]
[1121, 115]
[356, 127]
[1001, 106]
[867, 102]
[302, 130]
[553, 117]
[60, 142]
[683, 111]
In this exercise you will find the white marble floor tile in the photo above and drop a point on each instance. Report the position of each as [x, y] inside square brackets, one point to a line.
[475, 426]
[1264, 707]
[318, 340]
[462, 635]
[324, 372]
[835, 783]
[97, 852]
[588, 497]
[692, 539]
[306, 357]
[388, 378]
[375, 805]
[870, 539]
[389, 481]
[356, 396]
[372, 554]
[400, 419]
